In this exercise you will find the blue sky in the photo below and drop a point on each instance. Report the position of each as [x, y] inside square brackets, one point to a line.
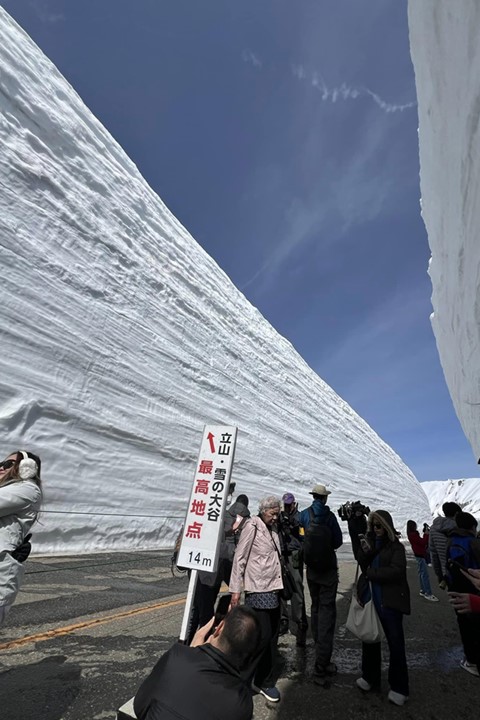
[284, 137]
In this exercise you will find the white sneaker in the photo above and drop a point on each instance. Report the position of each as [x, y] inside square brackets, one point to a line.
[433, 598]
[397, 698]
[422, 593]
[469, 667]
[363, 684]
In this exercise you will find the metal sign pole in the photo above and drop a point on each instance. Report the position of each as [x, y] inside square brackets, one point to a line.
[188, 606]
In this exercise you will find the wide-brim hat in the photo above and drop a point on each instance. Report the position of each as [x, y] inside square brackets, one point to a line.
[320, 490]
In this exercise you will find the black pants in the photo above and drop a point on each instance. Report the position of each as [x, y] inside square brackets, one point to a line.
[262, 667]
[469, 626]
[203, 607]
[299, 613]
[323, 592]
[392, 622]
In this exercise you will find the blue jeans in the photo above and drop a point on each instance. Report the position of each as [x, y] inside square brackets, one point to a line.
[392, 622]
[423, 575]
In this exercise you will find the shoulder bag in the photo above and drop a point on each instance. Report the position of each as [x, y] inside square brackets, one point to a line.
[363, 620]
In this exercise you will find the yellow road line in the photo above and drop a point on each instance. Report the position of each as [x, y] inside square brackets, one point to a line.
[39, 637]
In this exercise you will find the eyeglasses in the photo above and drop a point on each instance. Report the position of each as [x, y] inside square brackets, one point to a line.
[7, 464]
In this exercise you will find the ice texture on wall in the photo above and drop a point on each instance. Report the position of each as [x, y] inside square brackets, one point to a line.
[121, 338]
[445, 48]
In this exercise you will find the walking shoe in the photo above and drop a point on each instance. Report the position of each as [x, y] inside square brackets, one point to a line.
[397, 698]
[271, 694]
[433, 598]
[331, 668]
[301, 638]
[469, 667]
[363, 684]
[422, 593]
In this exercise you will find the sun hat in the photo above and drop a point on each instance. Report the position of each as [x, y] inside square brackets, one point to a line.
[320, 490]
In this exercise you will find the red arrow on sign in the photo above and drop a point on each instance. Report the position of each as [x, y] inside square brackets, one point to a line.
[210, 440]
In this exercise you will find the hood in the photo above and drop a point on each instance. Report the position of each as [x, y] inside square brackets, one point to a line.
[384, 518]
[443, 524]
[319, 509]
[239, 508]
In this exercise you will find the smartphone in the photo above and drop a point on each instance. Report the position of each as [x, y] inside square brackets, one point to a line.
[454, 563]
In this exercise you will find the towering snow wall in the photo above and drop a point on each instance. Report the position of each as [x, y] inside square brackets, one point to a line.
[121, 338]
[445, 48]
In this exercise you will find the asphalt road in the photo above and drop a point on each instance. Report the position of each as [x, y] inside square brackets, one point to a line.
[85, 631]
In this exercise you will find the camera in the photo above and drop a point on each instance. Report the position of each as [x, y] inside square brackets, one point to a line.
[349, 509]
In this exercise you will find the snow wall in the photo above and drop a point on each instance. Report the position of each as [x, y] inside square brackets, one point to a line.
[465, 492]
[445, 49]
[121, 338]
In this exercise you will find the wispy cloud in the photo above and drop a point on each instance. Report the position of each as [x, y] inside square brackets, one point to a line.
[344, 91]
[44, 14]
[250, 57]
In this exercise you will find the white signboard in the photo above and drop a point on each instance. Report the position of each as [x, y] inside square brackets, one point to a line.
[206, 509]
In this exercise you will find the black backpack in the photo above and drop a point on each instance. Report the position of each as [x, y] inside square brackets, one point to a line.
[318, 550]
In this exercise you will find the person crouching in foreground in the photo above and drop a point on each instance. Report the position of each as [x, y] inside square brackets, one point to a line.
[383, 563]
[202, 681]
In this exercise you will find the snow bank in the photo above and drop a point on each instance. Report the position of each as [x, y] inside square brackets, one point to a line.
[465, 492]
[446, 56]
[121, 338]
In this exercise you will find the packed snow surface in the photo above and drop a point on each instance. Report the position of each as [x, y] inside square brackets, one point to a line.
[445, 48]
[121, 338]
[465, 492]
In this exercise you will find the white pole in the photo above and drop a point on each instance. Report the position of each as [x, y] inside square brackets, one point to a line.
[188, 606]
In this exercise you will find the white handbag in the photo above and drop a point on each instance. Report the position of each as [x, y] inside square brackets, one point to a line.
[363, 620]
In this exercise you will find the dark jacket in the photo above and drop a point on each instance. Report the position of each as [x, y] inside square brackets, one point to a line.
[329, 519]
[193, 684]
[464, 548]
[391, 573]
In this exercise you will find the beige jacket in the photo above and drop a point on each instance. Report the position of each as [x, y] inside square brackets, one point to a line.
[256, 563]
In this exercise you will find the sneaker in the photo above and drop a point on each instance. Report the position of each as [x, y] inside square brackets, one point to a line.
[271, 694]
[363, 684]
[397, 698]
[422, 593]
[469, 667]
[433, 598]
[331, 668]
[301, 638]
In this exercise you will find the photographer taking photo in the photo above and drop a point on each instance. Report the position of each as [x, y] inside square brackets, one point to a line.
[355, 514]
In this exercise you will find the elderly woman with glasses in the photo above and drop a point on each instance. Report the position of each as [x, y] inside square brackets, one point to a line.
[256, 567]
[383, 563]
[20, 499]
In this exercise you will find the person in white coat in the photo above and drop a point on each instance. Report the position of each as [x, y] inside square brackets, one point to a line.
[20, 499]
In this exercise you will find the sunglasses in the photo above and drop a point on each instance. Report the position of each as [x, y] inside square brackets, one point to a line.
[7, 464]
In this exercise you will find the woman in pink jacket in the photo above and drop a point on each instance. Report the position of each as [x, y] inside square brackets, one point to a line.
[256, 567]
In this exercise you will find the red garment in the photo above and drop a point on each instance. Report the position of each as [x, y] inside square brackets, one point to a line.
[475, 603]
[419, 544]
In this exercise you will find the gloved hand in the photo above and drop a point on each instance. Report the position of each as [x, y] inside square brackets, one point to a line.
[22, 552]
